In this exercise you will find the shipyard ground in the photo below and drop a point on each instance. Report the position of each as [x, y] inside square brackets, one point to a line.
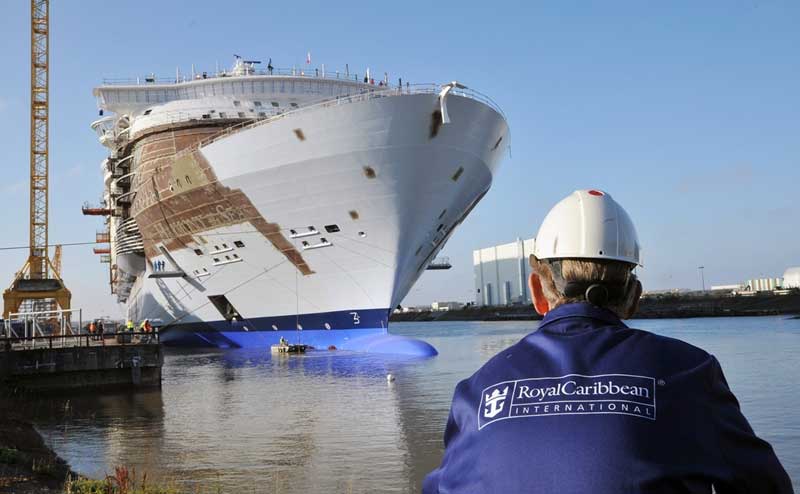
[27, 465]
[668, 306]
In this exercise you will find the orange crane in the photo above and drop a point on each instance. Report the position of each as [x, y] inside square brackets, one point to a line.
[38, 284]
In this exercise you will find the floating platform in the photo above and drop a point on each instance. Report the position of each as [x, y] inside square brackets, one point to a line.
[73, 362]
[289, 348]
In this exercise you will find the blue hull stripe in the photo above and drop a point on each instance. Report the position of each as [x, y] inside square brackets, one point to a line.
[359, 330]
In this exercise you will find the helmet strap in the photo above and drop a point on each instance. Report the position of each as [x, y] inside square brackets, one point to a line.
[597, 293]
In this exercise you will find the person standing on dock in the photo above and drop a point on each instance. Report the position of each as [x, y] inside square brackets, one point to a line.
[587, 404]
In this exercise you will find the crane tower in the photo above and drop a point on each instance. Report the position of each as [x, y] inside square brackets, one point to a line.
[38, 285]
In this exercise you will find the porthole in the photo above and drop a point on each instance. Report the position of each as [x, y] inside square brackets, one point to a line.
[332, 228]
[238, 243]
[237, 103]
[457, 174]
[198, 252]
[274, 327]
[275, 104]
[369, 172]
[257, 103]
[362, 234]
[300, 327]
[327, 326]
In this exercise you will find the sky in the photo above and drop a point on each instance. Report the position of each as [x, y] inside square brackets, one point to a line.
[686, 112]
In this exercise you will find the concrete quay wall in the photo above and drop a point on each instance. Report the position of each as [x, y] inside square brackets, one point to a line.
[80, 367]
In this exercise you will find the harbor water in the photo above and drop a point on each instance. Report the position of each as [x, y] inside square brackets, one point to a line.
[249, 421]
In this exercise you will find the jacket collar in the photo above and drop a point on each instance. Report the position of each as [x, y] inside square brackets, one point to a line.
[581, 309]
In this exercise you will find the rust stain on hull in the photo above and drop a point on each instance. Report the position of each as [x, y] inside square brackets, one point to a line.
[179, 196]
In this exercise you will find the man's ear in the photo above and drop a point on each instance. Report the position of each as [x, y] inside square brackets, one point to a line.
[537, 294]
[634, 305]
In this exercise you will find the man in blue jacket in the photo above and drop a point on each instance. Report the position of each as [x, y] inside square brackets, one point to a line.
[586, 404]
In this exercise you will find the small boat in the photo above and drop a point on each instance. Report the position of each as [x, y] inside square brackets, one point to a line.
[285, 348]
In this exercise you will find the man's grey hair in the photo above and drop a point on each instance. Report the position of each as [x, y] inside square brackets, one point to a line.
[554, 276]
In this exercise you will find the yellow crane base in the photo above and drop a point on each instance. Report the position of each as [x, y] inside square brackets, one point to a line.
[23, 290]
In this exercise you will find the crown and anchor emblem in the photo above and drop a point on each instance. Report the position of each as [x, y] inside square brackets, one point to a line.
[494, 402]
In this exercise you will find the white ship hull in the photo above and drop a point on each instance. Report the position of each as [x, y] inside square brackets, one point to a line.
[366, 191]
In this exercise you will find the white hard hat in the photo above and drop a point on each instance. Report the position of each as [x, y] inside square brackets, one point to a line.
[587, 224]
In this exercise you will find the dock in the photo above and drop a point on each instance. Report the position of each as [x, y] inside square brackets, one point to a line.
[60, 357]
[81, 361]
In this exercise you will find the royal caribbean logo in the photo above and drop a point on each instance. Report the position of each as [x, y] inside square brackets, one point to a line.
[494, 402]
[573, 394]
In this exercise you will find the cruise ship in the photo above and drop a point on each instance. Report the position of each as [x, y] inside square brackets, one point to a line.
[247, 205]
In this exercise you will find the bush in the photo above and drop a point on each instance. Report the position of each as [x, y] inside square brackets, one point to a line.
[124, 481]
[10, 456]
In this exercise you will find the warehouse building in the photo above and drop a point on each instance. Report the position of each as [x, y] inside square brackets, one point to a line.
[501, 273]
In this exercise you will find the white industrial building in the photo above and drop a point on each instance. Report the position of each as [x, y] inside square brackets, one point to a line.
[501, 273]
[445, 306]
[763, 284]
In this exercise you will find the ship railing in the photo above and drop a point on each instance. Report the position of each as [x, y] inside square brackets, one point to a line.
[429, 88]
[315, 73]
